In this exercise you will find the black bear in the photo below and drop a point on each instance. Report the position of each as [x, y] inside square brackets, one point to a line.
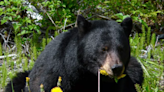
[78, 55]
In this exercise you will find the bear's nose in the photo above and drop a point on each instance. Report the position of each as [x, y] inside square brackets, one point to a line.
[117, 69]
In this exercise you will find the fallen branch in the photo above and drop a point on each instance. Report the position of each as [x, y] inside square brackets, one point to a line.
[11, 55]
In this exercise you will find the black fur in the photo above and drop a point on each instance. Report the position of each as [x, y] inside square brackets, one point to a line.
[78, 54]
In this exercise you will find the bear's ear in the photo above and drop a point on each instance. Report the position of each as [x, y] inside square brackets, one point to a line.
[127, 24]
[83, 25]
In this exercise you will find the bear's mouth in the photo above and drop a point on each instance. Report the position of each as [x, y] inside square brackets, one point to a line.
[111, 75]
[107, 71]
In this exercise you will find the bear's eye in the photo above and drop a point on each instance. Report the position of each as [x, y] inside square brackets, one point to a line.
[105, 48]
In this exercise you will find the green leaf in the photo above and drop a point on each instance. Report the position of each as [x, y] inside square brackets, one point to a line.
[30, 27]
[11, 75]
[27, 20]
[135, 18]
[16, 26]
[29, 9]
[64, 5]
[98, 6]
[116, 80]
[144, 23]
[6, 2]
[119, 15]
[1, 11]
[143, 5]
[106, 2]
[65, 30]
[3, 21]
[18, 16]
[1, 3]
[24, 32]
[8, 10]
[14, 8]
[125, 16]
[119, 20]
[10, 18]
[38, 31]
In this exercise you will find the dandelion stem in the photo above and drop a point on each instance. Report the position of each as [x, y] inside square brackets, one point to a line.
[98, 81]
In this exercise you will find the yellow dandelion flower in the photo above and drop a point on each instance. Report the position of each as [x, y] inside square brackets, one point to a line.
[56, 89]
[103, 72]
[27, 79]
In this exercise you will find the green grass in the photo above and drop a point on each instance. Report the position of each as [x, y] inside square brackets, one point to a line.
[153, 67]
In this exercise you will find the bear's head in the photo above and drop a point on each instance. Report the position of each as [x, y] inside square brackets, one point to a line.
[104, 44]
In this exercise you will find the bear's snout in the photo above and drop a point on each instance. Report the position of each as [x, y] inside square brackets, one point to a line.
[112, 65]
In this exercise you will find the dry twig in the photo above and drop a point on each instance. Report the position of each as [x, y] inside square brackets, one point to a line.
[10, 55]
